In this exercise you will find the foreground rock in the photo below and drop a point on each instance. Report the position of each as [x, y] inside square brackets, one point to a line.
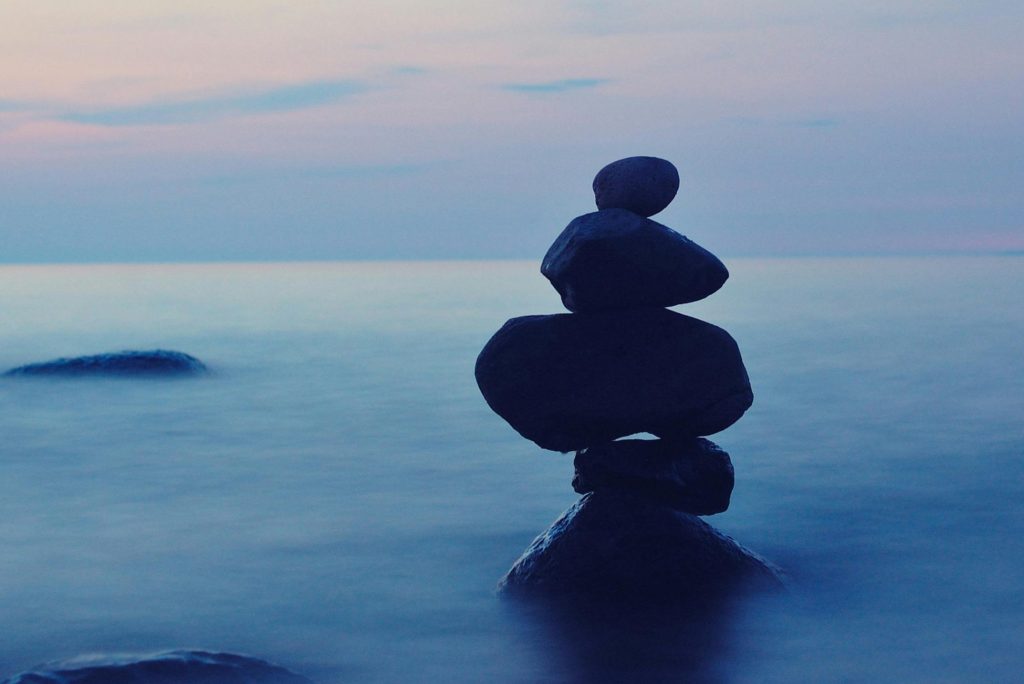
[693, 476]
[176, 667]
[571, 381]
[622, 364]
[643, 185]
[615, 259]
[125, 363]
[617, 546]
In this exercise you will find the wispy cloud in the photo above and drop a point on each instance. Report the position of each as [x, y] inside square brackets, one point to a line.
[197, 109]
[810, 122]
[823, 122]
[313, 173]
[561, 86]
[409, 70]
[13, 106]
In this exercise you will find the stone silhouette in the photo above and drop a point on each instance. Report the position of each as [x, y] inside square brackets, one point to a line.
[174, 667]
[159, 362]
[571, 381]
[622, 364]
[615, 259]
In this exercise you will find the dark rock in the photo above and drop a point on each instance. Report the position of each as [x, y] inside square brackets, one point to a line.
[643, 185]
[125, 363]
[693, 476]
[615, 259]
[618, 546]
[571, 381]
[176, 667]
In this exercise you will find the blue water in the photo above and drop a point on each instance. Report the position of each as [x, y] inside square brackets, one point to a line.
[337, 498]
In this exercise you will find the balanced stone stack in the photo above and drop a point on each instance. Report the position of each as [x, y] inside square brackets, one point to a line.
[622, 364]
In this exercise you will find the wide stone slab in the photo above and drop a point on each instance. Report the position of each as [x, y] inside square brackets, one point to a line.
[617, 546]
[126, 363]
[644, 185]
[614, 259]
[693, 476]
[175, 667]
[572, 381]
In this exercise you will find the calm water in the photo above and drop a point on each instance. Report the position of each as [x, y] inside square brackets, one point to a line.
[337, 497]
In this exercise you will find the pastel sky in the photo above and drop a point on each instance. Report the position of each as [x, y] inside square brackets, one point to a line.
[317, 129]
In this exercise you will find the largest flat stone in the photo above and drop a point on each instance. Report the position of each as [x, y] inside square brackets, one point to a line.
[616, 546]
[571, 381]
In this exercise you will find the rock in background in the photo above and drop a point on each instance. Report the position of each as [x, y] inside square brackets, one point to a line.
[126, 363]
[174, 667]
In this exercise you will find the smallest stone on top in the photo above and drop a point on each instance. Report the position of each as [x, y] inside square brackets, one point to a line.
[617, 258]
[643, 185]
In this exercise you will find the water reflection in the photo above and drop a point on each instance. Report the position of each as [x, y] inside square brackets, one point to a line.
[610, 641]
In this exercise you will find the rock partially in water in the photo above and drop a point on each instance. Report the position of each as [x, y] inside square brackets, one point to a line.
[175, 667]
[616, 546]
[125, 363]
[643, 185]
[615, 259]
[571, 381]
[693, 476]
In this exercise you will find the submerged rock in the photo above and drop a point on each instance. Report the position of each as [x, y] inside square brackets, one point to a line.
[615, 259]
[643, 185]
[693, 476]
[612, 546]
[154, 362]
[571, 381]
[175, 667]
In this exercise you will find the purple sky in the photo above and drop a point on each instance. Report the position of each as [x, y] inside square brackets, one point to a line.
[262, 130]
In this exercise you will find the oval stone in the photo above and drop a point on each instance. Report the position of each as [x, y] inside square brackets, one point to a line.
[693, 476]
[174, 667]
[126, 363]
[643, 185]
[570, 381]
[614, 259]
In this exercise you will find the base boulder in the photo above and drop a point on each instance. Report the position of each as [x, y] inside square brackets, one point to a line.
[612, 545]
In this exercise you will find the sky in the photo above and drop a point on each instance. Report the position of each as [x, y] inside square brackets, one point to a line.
[213, 130]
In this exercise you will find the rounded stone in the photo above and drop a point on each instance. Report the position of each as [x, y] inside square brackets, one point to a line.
[690, 475]
[571, 381]
[643, 185]
[615, 259]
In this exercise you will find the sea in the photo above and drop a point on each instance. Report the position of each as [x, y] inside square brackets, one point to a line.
[336, 497]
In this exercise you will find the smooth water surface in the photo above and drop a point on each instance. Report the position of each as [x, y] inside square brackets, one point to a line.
[337, 498]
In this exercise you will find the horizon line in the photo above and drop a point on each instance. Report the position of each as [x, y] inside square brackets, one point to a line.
[254, 261]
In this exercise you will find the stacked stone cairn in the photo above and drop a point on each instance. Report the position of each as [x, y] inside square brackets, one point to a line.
[621, 364]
